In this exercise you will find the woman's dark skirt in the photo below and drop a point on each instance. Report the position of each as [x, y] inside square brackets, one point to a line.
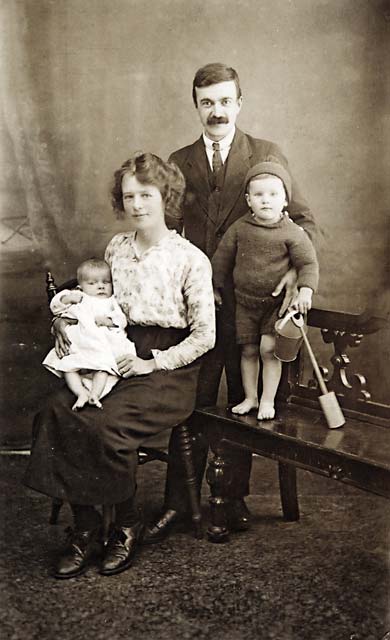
[90, 456]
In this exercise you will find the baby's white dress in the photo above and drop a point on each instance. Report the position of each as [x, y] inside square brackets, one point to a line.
[93, 347]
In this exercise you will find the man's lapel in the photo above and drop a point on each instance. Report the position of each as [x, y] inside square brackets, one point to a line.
[197, 163]
[236, 170]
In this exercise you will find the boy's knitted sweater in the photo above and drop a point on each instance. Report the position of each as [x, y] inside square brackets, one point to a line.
[259, 255]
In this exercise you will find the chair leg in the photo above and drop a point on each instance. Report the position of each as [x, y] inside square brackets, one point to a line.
[56, 505]
[186, 452]
[288, 491]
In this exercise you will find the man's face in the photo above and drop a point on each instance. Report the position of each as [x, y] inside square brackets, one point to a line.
[218, 108]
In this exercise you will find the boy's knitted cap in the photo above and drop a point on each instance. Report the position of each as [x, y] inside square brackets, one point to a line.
[273, 168]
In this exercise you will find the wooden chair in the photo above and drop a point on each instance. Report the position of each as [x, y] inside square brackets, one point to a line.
[145, 454]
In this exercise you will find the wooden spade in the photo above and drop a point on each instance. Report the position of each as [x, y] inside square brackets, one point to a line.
[328, 400]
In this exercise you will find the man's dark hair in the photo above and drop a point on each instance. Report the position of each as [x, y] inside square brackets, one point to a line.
[214, 73]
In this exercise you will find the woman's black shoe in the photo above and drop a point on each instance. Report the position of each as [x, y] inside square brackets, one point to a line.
[160, 529]
[121, 548]
[82, 546]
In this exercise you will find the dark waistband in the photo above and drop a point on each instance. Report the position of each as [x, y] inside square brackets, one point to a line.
[153, 337]
[254, 302]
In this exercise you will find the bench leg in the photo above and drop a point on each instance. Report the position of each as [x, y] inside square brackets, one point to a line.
[218, 530]
[288, 491]
[193, 493]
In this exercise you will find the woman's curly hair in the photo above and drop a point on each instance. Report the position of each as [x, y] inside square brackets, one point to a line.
[150, 169]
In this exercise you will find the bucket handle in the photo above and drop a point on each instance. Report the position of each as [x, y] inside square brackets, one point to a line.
[299, 322]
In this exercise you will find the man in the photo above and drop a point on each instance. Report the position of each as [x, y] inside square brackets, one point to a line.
[214, 168]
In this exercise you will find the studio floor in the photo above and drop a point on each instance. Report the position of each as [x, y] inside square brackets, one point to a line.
[323, 578]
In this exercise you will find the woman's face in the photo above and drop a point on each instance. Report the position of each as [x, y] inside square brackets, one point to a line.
[143, 203]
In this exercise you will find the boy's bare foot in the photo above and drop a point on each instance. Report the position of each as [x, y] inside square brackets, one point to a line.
[245, 406]
[94, 401]
[80, 402]
[266, 411]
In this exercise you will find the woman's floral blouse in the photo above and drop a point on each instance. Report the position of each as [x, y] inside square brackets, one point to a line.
[169, 285]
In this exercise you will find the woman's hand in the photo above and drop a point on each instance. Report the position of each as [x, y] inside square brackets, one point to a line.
[217, 299]
[134, 366]
[289, 282]
[61, 340]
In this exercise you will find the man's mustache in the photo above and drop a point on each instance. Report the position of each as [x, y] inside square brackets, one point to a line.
[216, 120]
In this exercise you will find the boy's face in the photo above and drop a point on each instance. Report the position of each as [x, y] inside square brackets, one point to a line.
[97, 282]
[266, 198]
[218, 107]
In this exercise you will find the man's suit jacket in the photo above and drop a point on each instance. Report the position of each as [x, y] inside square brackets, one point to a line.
[205, 230]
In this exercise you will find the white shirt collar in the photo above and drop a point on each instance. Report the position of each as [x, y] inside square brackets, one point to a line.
[224, 144]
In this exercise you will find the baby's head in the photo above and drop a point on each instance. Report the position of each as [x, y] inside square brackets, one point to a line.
[267, 191]
[94, 278]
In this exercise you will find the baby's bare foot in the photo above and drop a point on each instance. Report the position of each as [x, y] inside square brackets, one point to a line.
[94, 401]
[80, 402]
[245, 406]
[266, 411]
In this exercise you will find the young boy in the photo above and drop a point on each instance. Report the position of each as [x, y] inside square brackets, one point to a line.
[98, 338]
[257, 251]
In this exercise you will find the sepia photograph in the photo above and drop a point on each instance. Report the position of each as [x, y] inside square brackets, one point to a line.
[195, 320]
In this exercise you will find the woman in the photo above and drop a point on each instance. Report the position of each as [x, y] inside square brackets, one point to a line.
[163, 284]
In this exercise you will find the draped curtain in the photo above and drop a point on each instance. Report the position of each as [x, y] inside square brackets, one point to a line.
[29, 144]
[74, 107]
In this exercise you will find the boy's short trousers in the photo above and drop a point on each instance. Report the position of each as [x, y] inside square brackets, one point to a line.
[252, 323]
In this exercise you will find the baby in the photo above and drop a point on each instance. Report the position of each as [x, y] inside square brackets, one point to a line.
[97, 339]
[257, 251]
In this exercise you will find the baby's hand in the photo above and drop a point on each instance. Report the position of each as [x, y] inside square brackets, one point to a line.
[302, 302]
[72, 297]
[104, 321]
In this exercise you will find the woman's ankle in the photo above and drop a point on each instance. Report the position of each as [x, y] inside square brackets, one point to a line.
[85, 517]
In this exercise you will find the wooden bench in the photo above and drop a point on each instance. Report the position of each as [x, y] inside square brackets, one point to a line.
[357, 453]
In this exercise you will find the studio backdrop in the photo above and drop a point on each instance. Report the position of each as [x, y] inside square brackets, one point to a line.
[87, 83]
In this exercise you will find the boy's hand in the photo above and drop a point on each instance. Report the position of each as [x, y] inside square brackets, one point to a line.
[217, 298]
[104, 321]
[289, 282]
[302, 302]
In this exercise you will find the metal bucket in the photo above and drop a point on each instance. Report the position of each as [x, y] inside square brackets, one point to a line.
[288, 338]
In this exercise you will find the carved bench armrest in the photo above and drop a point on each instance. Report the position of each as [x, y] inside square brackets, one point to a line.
[343, 331]
[363, 323]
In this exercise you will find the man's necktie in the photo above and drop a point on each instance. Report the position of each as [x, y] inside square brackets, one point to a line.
[217, 158]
